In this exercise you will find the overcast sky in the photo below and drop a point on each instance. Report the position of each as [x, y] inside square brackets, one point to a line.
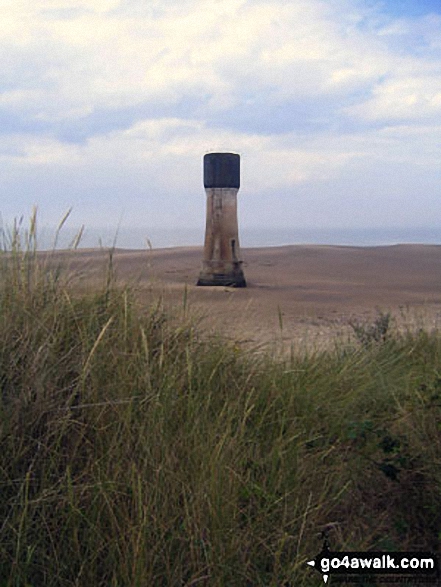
[108, 106]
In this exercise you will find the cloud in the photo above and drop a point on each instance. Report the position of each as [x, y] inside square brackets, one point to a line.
[403, 99]
[104, 98]
[213, 52]
[98, 55]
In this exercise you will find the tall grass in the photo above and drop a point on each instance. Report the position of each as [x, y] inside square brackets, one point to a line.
[136, 453]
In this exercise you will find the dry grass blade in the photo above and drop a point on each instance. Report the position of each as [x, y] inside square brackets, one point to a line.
[95, 346]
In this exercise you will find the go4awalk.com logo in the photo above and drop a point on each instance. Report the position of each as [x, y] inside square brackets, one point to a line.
[417, 566]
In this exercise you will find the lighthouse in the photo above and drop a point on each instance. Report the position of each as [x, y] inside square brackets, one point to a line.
[222, 263]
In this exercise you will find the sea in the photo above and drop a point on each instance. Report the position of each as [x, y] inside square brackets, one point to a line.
[158, 238]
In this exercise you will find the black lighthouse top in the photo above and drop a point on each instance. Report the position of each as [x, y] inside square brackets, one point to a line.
[222, 170]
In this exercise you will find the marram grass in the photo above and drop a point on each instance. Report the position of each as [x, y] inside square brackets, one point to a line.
[134, 453]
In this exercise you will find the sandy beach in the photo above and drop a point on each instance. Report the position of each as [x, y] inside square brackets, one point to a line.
[295, 293]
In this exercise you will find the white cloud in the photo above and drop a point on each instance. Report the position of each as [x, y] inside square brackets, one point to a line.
[99, 58]
[157, 145]
[403, 98]
[195, 69]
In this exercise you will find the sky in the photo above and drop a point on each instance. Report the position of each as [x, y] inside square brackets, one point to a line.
[108, 107]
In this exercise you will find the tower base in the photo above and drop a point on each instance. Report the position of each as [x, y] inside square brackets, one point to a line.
[215, 273]
[223, 280]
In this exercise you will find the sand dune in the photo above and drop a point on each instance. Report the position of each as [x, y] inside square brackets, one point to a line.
[315, 290]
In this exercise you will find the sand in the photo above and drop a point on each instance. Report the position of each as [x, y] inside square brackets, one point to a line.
[295, 294]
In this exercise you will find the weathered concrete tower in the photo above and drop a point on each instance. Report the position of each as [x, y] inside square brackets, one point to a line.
[222, 264]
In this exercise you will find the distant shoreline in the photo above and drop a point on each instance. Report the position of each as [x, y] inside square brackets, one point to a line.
[179, 248]
[142, 238]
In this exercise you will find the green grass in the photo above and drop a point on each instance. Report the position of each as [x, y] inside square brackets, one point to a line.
[136, 453]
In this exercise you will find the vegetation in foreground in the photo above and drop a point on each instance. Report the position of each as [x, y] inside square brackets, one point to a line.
[134, 453]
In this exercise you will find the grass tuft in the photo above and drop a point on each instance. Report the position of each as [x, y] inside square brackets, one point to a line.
[135, 452]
